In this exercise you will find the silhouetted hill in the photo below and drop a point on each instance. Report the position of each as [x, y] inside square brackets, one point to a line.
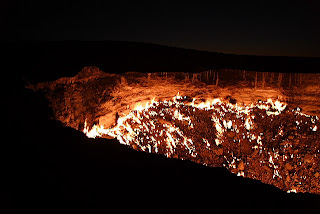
[52, 60]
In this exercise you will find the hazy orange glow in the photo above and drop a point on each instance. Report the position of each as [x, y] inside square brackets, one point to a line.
[156, 127]
[252, 128]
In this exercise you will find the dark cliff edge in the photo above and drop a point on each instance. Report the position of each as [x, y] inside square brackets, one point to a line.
[54, 168]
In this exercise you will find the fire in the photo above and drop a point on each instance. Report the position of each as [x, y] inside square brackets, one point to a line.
[95, 131]
[144, 110]
[99, 130]
[142, 106]
[124, 132]
[211, 132]
[262, 140]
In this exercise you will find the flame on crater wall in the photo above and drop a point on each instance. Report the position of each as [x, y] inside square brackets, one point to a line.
[172, 128]
[271, 107]
[214, 125]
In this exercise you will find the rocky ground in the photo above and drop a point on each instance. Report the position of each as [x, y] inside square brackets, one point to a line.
[75, 99]
[282, 150]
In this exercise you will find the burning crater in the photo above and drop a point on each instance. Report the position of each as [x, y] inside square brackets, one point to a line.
[252, 128]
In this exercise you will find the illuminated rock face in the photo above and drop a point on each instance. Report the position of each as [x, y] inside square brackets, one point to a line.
[263, 140]
[75, 99]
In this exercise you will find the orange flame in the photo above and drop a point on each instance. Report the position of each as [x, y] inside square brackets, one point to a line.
[271, 107]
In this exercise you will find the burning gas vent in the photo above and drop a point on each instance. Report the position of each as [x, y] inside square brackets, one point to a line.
[225, 119]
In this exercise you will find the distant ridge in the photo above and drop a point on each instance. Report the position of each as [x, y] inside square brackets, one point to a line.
[66, 58]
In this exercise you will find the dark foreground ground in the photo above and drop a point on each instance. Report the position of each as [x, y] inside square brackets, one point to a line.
[51, 168]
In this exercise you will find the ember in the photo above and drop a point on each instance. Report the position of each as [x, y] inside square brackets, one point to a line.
[264, 140]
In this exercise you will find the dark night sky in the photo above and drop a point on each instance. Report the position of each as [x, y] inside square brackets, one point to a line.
[290, 28]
